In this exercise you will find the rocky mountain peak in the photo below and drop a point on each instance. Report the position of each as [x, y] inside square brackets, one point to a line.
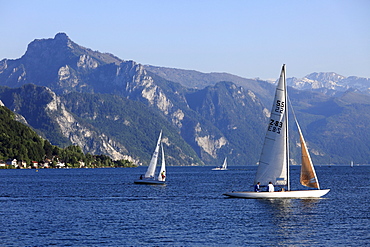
[329, 82]
[61, 50]
[47, 47]
[61, 37]
[325, 77]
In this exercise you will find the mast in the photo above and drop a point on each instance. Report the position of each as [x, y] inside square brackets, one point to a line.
[286, 127]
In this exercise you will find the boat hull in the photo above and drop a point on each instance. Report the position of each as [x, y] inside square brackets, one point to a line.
[149, 181]
[219, 169]
[278, 195]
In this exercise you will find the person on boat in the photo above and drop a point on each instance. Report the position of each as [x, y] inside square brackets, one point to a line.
[257, 187]
[270, 187]
[163, 175]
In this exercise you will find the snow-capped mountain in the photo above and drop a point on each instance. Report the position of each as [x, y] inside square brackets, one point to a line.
[328, 81]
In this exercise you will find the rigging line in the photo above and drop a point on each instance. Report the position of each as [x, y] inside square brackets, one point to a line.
[291, 107]
[295, 117]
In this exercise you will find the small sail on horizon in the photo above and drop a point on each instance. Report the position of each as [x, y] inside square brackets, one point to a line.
[224, 165]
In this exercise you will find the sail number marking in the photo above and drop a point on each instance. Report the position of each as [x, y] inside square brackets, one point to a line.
[279, 106]
[275, 126]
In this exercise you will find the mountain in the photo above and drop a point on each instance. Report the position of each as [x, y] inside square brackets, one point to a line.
[199, 80]
[65, 67]
[23, 148]
[98, 123]
[336, 127]
[237, 113]
[330, 83]
[326, 82]
[327, 97]
[73, 95]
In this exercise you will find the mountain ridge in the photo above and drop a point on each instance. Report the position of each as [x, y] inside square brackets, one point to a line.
[219, 115]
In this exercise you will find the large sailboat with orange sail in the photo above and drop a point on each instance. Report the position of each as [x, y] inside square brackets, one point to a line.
[273, 166]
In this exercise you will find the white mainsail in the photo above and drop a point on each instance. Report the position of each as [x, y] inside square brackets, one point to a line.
[153, 162]
[163, 167]
[273, 164]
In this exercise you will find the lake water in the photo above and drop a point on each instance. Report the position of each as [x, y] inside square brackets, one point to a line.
[103, 207]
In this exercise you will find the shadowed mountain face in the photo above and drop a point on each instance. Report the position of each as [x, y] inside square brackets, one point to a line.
[73, 95]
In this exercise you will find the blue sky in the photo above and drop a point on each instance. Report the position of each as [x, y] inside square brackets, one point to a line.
[246, 38]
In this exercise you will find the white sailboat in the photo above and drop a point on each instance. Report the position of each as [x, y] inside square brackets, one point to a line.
[274, 161]
[149, 178]
[221, 168]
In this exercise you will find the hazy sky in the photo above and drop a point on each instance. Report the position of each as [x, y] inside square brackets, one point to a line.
[246, 38]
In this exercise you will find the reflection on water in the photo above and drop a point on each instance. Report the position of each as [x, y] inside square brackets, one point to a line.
[290, 217]
[308, 203]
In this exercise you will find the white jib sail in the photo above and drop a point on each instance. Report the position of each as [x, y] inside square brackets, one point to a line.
[153, 162]
[274, 158]
[163, 168]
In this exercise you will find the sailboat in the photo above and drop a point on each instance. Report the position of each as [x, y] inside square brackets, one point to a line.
[274, 161]
[149, 178]
[221, 168]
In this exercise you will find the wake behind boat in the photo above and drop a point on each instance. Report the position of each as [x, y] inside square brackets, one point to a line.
[149, 178]
[274, 161]
[221, 168]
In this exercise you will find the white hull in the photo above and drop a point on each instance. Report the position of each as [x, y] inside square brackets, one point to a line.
[279, 194]
[149, 181]
[219, 169]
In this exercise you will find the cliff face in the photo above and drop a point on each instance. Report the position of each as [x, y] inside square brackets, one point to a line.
[51, 114]
[81, 134]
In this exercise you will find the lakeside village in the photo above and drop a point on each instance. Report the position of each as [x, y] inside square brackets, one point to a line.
[19, 164]
[103, 161]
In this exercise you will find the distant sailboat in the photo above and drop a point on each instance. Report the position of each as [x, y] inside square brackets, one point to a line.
[149, 178]
[274, 162]
[351, 163]
[222, 168]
